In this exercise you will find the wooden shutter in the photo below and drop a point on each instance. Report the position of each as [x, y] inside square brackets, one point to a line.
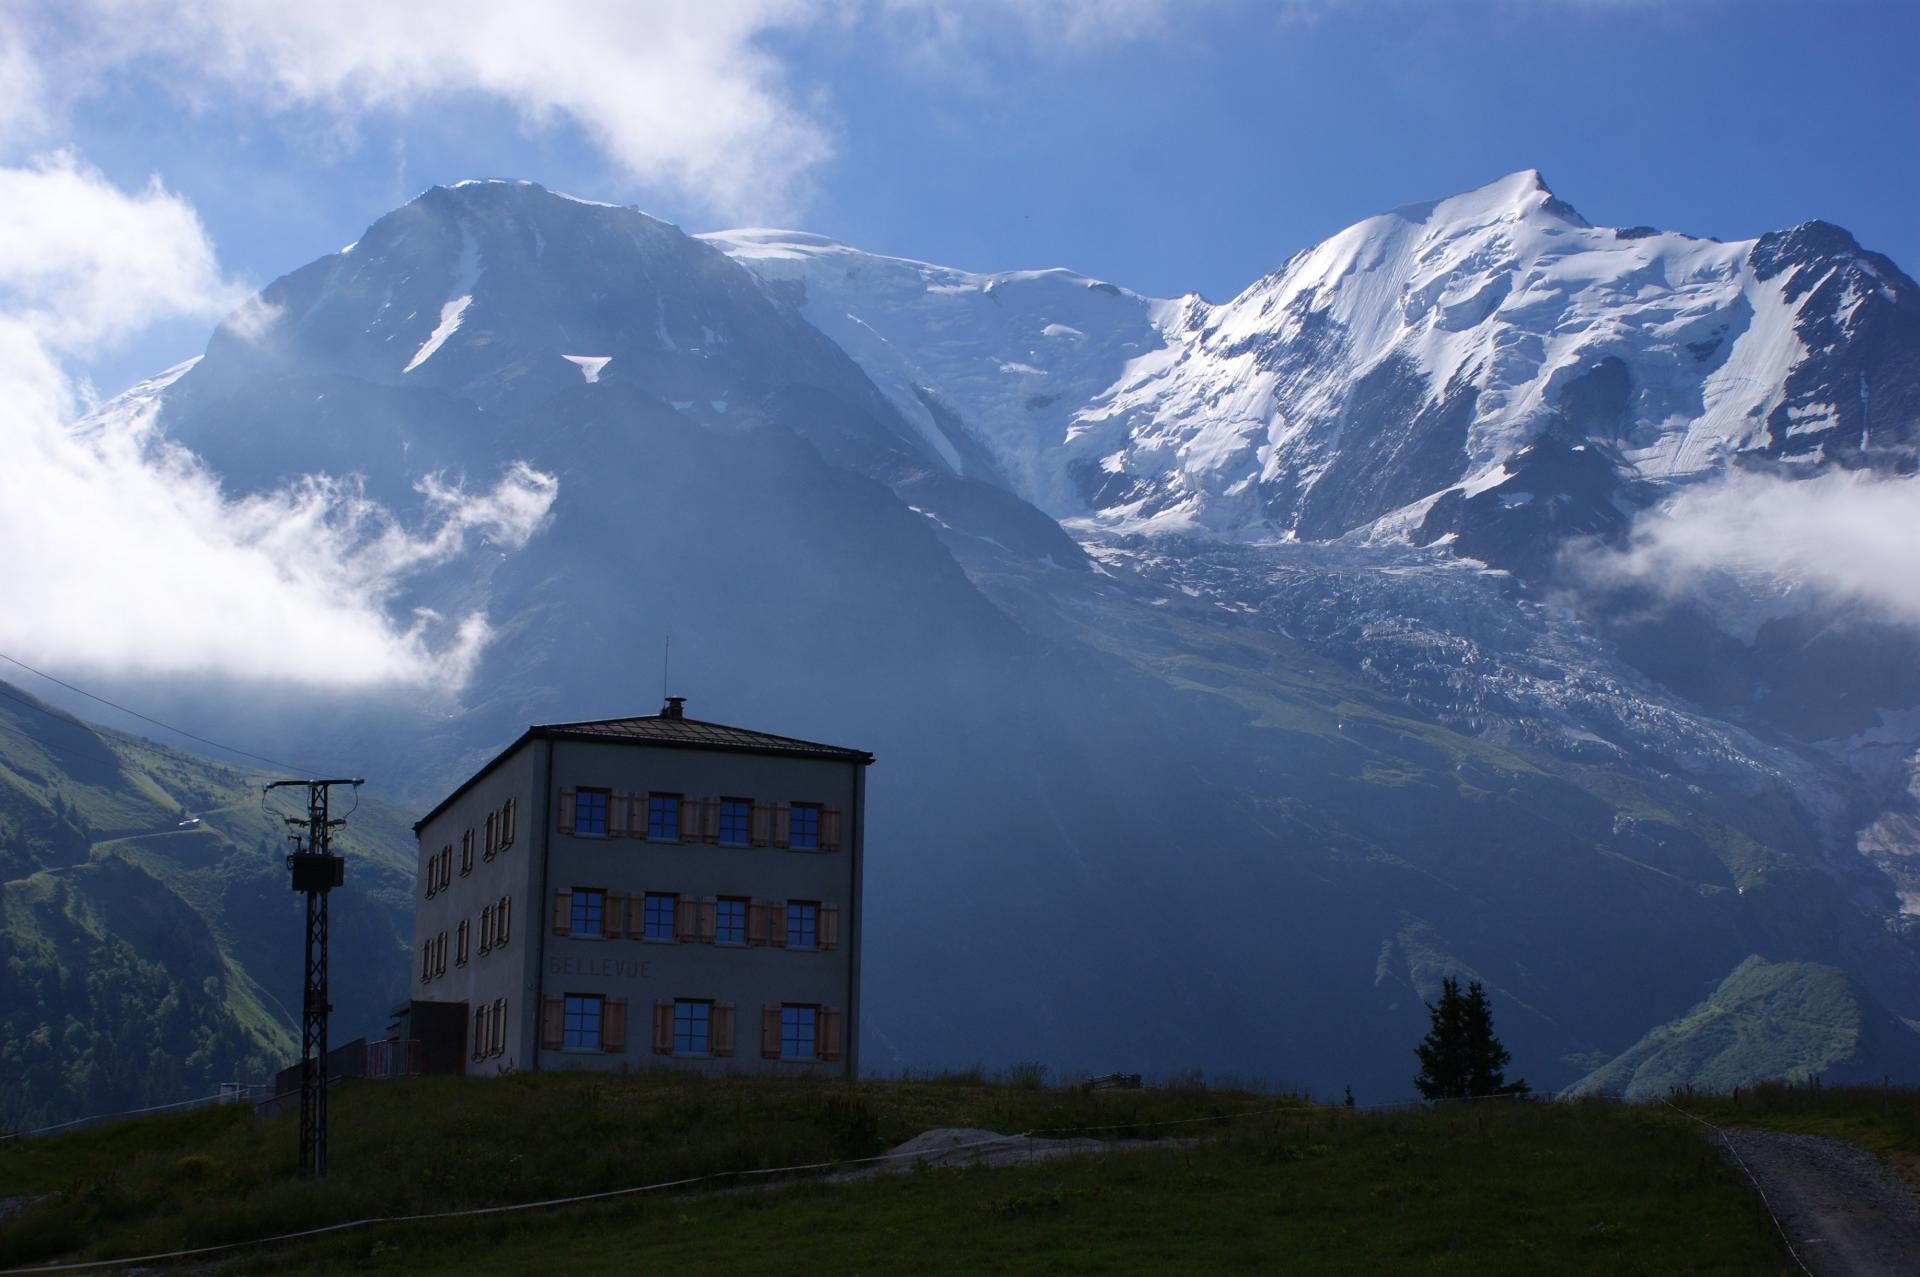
[566, 811]
[782, 824]
[553, 1021]
[486, 928]
[760, 825]
[618, 816]
[757, 922]
[830, 829]
[479, 1032]
[446, 866]
[493, 833]
[613, 914]
[686, 919]
[506, 821]
[563, 912]
[460, 951]
[440, 955]
[663, 1028]
[709, 919]
[613, 1024]
[503, 919]
[499, 1042]
[827, 1043]
[777, 924]
[426, 962]
[829, 932]
[770, 1033]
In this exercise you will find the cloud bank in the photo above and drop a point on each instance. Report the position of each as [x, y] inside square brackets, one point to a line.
[122, 552]
[1836, 539]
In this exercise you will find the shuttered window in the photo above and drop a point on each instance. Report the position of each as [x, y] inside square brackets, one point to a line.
[493, 834]
[799, 1030]
[563, 911]
[658, 923]
[482, 1030]
[700, 819]
[830, 1032]
[498, 1043]
[803, 826]
[663, 817]
[762, 831]
[486, 928]
[736, 821]
[589, 911]
[619, 815]
[460, 944]
[692, 1027]
[426, 961]
[613, 917]
[440, 955]
[782, 824]
[446, 866]
[508, 811]
[830, 824]
[723, 1028]
[430, 876]
[686, 920]
[829, 926]
[707, 920]
[502, 921]
[590, 813]
[553, 1020]
[730, 920]
[803, 924]
[580, 1030]
[566, 810]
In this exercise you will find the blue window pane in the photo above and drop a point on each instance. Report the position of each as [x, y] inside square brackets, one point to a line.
[803, 925]
[692, 1028]
[659, 916]
[730, 920]
[663, 816]
[803, 825]
[590, 812]
[736, 820]
[796, 1032]
[588, 907]
[581, 1029]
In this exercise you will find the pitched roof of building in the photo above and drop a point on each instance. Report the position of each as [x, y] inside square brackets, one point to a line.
[668, 728]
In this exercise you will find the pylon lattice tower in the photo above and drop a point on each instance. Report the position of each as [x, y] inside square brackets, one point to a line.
[316, 872]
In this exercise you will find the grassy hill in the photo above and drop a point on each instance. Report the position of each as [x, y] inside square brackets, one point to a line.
[150, 941]
[1263, 1183]
[1767, 1020]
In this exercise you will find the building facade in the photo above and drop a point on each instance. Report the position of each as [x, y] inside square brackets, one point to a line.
[652, 890]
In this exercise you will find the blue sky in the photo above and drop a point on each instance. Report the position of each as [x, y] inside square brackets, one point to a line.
[1166, 147]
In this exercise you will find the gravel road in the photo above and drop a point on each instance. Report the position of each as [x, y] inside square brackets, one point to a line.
[1848, 1213]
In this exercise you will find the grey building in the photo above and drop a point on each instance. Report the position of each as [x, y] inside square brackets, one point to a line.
[653, 890]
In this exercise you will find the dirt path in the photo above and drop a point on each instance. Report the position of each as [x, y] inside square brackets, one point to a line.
[971, 1146]
[1847, 1213]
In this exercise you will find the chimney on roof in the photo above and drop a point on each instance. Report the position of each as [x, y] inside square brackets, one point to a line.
[673, 707]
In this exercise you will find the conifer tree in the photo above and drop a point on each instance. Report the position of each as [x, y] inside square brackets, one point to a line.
[1460, 1056]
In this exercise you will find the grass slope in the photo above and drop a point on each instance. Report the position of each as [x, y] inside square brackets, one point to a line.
[1577, 1187]
[149, 940]
[1767, 1020]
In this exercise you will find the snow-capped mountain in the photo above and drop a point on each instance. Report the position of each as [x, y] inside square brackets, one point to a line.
[1419, 355]
[1164, 617]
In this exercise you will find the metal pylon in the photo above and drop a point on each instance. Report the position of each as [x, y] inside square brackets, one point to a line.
[316, 872]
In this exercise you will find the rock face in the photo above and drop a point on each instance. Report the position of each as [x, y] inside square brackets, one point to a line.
[1173, 624]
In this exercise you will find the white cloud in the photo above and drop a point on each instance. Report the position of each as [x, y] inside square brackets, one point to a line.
[677, 95]
[1835, 538]
[122, 553]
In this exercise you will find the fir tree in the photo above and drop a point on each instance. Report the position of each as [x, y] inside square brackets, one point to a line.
[1460, 1056]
